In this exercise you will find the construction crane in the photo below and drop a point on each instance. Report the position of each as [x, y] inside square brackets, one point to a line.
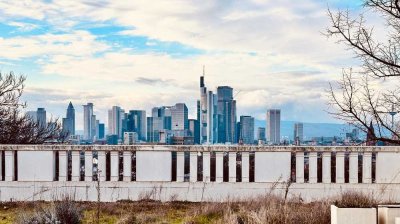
[234, 96]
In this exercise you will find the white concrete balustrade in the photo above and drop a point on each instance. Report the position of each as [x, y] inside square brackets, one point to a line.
[51, 166]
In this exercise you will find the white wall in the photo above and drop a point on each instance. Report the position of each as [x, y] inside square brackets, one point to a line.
[388, 167]
[272, 166]
[35, 166]
[153, 166]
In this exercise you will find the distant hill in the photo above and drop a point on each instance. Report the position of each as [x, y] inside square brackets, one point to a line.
[310, 129]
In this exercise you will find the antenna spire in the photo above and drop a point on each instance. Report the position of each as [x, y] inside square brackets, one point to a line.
[204, 68]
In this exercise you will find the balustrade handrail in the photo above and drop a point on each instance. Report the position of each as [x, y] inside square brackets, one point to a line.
[201, 148]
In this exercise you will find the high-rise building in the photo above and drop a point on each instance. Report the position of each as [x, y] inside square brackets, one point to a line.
[212, 118]
[97, 131]
[158, 122]
[136, 122]
[207, 114]
[41, 117]
[298, 133]
[203, 110]
[69, 120]
[88, 124]
[261, 134]
[179, 117]
[194, 130]
[101, 131]
[247, 129]
[226, 112]
[115, 117]
[273, 126]
[94, 128]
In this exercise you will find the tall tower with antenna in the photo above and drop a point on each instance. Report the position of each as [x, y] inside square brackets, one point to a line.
[203, 109]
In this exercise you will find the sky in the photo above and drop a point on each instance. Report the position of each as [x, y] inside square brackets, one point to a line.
[141, 54]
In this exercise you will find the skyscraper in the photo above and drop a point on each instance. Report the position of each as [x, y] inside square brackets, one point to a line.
[179, 117]
[274, 126]
[41, 117]
[136, 122]
[261, 134]
[298, 133]
[159, 121]
[203, 109]
[194, 130]
[207, 114]
[101, 131]
[115, 117]
[226, 112]
[212, 121]
[247, 129]
[88, 122]
[69, 120]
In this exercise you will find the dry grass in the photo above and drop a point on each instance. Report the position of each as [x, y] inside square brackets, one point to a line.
[268, 209]
[355, 200]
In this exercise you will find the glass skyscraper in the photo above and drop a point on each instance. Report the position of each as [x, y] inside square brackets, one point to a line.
[136, 122]
[274, 126]
[88, 124]
[247, 129]
[226, 115]
[69, 120]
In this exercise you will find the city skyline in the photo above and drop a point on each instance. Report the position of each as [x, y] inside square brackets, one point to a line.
[108, 59]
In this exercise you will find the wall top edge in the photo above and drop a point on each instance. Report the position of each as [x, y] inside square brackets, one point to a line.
[199, 148]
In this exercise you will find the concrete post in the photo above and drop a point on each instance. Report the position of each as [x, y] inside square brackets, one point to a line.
[232, 166]
[299, 167]
[76, 168]
[101, 166]
[353, 167]
[245, 166]
[340, 167]
[62, 166]
[193, 166]
[9, 165]
[1, 165]
[313, 167]
[88, 165]
[326, 167]
[219, 167]
[127, 165]
[180, 166]
[206, 167]
[114, 166]
[367, 168]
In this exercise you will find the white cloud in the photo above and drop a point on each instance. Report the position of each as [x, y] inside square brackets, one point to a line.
[78, 43]
[270, 50]
[24, 26]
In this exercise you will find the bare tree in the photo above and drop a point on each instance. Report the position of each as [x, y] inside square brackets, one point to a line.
[15, 126]
[356, 98]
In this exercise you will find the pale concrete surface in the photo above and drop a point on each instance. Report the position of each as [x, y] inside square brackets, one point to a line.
[35, 166]
[153, 166]
[388, 167]
[182, 191]
[353, 215]
[272, 166]
[387, 214]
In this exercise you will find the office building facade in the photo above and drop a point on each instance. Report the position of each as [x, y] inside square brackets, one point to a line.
[88, 125]
[273, 126]
[226, 115]
[298, 133]
[247, 130]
